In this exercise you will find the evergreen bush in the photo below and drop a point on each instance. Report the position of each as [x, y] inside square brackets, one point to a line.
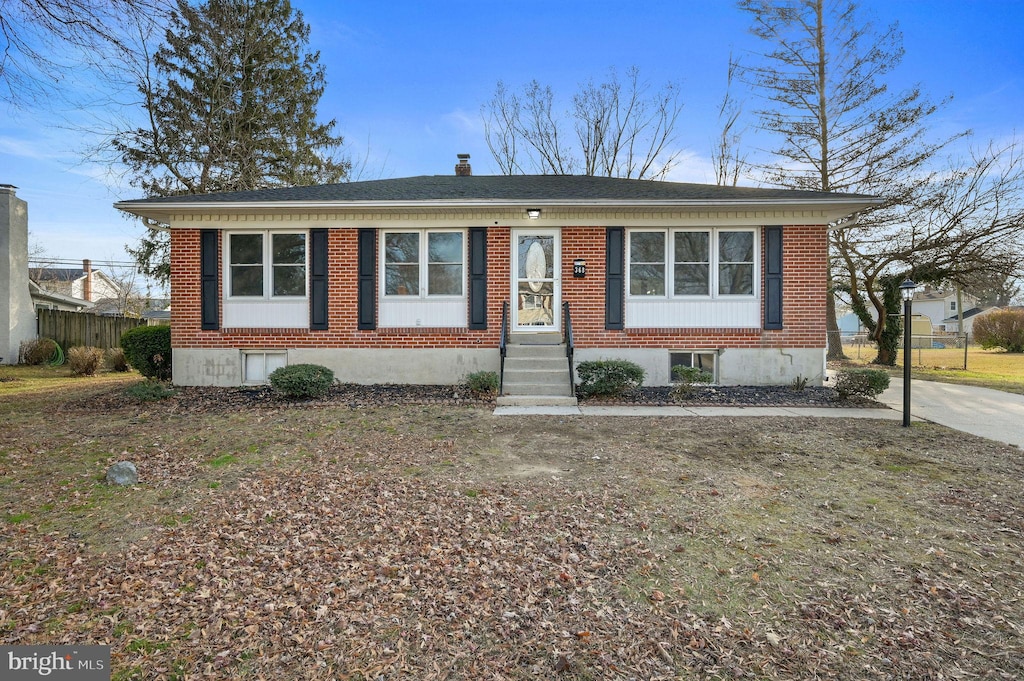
[148, 350]
[482, 382]
[302, 381]
[861, 383]
[685, 377]
[609, 377]
[149, 391]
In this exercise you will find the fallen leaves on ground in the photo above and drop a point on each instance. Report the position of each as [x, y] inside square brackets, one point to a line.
[379, 549]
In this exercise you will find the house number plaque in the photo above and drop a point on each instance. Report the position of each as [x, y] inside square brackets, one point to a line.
[579, 268]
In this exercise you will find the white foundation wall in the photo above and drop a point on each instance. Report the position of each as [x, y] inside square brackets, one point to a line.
[748, 366]
[435, 366]
[448, 366]
[207, 367]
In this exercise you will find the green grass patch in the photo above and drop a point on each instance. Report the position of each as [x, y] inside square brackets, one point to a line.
[995, 369]
[15, 518]
[223, 460]
[175, 519]
[144, 645]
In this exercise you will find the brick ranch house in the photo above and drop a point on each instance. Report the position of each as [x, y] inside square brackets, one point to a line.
[406, 280]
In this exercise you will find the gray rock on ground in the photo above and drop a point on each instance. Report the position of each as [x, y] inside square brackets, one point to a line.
[123, 473]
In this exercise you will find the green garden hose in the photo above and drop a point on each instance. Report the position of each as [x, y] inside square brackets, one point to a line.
[58, 356]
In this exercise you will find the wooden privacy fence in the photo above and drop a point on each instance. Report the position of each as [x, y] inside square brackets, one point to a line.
[71, 329]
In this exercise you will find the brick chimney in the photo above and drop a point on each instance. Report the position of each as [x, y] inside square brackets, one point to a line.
[463, 169]
[87, 284]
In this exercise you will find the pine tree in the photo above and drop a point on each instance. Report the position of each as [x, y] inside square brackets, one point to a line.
[231, 105]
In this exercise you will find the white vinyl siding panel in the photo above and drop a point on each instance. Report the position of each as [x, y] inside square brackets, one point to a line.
[691, 314]
[266, 314]
[442, 314]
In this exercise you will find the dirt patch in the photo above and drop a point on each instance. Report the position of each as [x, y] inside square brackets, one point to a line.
[437, 541]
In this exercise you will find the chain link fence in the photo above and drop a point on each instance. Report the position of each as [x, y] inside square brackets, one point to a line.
[936, 351]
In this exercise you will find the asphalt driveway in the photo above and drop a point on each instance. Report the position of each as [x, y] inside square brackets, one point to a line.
[989, 413]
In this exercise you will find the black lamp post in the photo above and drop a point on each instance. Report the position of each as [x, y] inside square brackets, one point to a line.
[907, 289]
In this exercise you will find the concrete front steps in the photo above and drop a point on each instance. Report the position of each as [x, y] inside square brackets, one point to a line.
[536, 372]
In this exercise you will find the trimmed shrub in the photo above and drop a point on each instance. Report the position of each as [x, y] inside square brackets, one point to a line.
[115, 360]
[84, 361]
[482, 382]
[861, 383]
[685, 377]
[1000, 329]
[37, 351]
[148, 391]
[609, 377]
[148, 351]
[301, 381]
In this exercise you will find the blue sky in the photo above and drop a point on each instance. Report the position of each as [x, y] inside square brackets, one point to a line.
[406, 81]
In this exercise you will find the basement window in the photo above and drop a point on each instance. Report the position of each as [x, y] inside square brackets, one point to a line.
[257, 365]
[705, 360]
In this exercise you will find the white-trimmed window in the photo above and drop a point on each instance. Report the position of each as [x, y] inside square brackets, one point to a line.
[424, 263]
[687, 263]
[266, 265]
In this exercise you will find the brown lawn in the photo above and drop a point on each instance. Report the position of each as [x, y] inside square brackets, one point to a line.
[425, 541]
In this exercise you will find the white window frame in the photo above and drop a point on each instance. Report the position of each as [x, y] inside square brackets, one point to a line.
[268, 265]
[423, 264]
[713, 264]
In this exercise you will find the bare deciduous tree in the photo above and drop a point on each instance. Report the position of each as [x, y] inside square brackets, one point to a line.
[615, 129]
[840, 128]
[726, 155]
[41, 40]
[968, 226]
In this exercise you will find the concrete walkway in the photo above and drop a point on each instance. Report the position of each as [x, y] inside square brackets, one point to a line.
[822, 412]
[988, 413]
[979, 411]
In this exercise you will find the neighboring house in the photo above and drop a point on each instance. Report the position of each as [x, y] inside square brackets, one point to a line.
[941, 307]
[975, 313]
[404, 280]
[850, 325]
[83, 283]
[157, 317]
[43, 299]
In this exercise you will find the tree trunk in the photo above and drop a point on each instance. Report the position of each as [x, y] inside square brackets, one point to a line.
[835, 341]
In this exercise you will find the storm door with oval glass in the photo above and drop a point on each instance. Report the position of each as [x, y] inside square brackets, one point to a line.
[536, 284]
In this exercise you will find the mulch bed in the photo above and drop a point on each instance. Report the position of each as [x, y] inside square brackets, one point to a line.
[193, 399]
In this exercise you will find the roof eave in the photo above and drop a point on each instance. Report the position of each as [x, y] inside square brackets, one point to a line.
[164, 209]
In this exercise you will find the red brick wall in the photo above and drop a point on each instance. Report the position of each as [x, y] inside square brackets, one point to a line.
[804, 277]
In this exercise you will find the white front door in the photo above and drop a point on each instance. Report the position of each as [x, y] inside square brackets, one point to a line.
[536, 280]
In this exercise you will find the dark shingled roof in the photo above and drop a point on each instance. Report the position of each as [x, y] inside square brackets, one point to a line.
[502, 188]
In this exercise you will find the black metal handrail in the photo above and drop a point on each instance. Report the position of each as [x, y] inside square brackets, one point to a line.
[570, 345]
[503, 345]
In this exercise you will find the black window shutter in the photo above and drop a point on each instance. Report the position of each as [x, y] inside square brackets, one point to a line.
[318, 279]
[367, 315]
[209, 280]
[478, 278]
[614, 282]
[773, 278]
